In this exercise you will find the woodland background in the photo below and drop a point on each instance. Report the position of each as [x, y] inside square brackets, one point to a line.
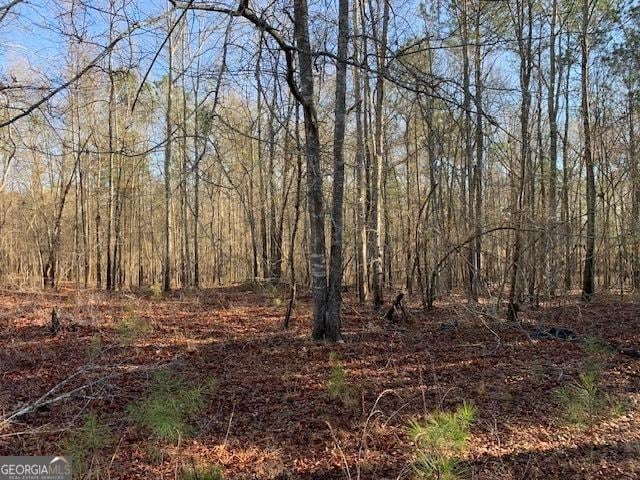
[132, 157]
[189, 188]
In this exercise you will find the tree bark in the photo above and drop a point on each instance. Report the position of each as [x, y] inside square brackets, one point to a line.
[166, 267]
[550, 251]
[361, 227]
[334, 301]
[376, 212]
[588, 271]
[317, 256]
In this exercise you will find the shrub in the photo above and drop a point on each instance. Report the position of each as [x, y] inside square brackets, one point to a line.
[85, 444]
[132, 327]
[156, 290]
[94, 349]
[440, 440]
[337, 384]
[156, 454]
[170, 405]
[583, 402]
[597, 347]
[202, 473]
[441, 468]
[261, 286]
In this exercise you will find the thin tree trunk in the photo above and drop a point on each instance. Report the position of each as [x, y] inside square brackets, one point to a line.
[550, 251]
[524, 47]
[376, 213]
[588, 272]
[361, 227]
[477, 173]
[334, 302]
[166, 267]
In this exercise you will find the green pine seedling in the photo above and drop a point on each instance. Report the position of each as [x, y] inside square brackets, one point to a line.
[171, 404]
[440, 440]
[202, 473]
[337, 384]
[86, 443]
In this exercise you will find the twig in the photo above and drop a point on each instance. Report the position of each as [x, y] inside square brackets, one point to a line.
[226, 436]
[344, 458]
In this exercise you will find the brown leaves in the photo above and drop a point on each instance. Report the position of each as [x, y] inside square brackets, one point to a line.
[268, 416]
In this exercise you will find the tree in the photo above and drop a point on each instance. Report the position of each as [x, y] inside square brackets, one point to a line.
[166, 262]
[334, 302]
[588, 271]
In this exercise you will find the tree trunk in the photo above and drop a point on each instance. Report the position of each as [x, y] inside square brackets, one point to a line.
[588, 272]
[376, 212]
[166, 267]
[334, 301]
[317, 260]
[524, 49]
[550, 251]
[477, 173]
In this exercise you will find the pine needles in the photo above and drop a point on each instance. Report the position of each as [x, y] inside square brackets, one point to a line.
[131, 327]
[440, 440]
[584, 402]
[171, 404]
[202, 473]
[85, 444]
[337, 384]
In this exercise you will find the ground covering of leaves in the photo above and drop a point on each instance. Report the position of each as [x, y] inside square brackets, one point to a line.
[271, 414]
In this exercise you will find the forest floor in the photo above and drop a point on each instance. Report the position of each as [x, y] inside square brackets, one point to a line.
[271, 414]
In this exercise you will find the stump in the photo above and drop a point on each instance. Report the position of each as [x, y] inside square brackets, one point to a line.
[395, 306]
[54, 328]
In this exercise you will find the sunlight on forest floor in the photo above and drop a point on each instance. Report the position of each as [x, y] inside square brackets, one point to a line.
[271, 413]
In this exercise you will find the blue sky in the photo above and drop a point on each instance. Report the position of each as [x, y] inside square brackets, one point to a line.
[35, 34]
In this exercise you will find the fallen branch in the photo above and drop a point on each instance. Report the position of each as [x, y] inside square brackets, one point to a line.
[48, 399]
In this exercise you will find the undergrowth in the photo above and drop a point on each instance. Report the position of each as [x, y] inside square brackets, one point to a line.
[337, 384]
[597, 347]
[170, 405]
[131, 327]
[156, 290]
[440, 440]
[94, 349]
[85, 445]
[584, 402]
[209, 472]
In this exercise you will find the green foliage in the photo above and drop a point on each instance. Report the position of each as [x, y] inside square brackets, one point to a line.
[94, 349]
[170, 405]
[597, 347]
[440, 440]
[155, 453]
[580, 400]
[337, 384]
[441, 468]
[132, 327]
[85, 444]
[583, 402]
[156, 290]
[202, 473]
